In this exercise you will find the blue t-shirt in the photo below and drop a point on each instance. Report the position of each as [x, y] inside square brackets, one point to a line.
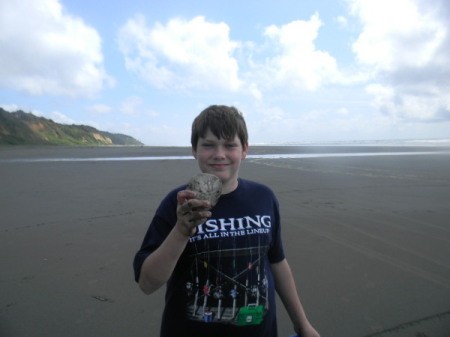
[222, 284]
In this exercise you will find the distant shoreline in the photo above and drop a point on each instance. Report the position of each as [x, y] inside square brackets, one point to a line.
[142, 153]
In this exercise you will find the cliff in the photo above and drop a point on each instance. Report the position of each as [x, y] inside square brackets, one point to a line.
[21, 128]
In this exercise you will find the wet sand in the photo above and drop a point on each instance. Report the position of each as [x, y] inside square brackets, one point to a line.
[368, 239]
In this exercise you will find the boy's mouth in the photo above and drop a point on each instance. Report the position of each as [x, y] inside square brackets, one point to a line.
[218, 166]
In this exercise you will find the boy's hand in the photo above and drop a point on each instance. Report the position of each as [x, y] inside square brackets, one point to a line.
[307, 331]
[191, 212]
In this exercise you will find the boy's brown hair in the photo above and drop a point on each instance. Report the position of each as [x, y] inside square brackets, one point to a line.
[225, 122]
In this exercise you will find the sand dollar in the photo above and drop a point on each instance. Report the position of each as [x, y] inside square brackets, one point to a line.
[207, 186]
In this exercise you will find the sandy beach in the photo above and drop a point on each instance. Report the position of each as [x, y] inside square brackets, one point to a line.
[368, 237]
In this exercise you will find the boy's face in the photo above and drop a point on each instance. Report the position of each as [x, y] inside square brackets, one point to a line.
[220, 157]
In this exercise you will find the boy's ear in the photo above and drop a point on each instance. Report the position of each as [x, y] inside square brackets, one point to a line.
[194, 153]
[244, 151]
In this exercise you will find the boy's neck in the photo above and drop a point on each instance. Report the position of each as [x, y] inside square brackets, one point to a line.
[230, 186]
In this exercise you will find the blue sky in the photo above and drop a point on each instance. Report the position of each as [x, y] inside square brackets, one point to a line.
[300, 71]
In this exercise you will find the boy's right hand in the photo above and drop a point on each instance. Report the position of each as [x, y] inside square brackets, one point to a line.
[191, 212]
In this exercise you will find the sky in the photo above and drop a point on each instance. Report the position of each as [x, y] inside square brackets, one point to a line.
[299, 71]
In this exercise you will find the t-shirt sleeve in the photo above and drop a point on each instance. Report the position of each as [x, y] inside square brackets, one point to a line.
[161, 225]
[276, 251]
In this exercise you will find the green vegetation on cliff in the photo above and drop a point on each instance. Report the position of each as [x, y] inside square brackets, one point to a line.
[21, 128]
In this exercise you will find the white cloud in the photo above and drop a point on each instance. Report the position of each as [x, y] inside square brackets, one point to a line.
[181, 54]
[197, 54]
[322, 125]
[100, 109]
[151, 113]
[47, 51]
[131, 106]
[297, 62]
[59, 117]
[398, 34]
[254, 91]
[15, 107]
[10, 107]
[406, 42]
[157, 135]
[342, 21]
[342, 112]
[425, 104]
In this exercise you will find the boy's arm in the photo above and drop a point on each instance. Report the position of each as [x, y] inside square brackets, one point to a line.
[286, 289]
[159, 265]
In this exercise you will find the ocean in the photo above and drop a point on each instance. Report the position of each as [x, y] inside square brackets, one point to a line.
[258, 151]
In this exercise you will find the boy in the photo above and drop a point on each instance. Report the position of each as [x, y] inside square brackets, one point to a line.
[223, 264]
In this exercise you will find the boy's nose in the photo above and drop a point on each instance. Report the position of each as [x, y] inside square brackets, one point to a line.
[220, 152]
